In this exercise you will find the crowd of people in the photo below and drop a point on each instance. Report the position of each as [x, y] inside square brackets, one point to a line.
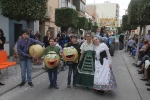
[92, 53]
[92, 69]
[143, 56]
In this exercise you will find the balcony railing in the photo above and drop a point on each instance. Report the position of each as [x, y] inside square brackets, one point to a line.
[68, 5]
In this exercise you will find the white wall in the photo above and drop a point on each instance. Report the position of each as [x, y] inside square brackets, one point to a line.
[34, 26]
[6, 47]
[106, 10]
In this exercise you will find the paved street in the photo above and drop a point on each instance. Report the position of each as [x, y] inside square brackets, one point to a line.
[130, 87]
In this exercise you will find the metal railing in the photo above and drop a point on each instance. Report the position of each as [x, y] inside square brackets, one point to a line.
[68, 5]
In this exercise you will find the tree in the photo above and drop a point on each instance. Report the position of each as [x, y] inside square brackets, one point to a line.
[66, 17]
[138, 15]
[83, 23]
[119, 30]
[89, 25]
[28, 10]
[94, 28]
[125, 25]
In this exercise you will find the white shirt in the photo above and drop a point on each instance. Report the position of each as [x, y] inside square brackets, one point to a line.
[85, 46]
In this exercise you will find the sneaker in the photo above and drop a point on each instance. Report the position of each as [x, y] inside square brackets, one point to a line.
[147, 84]
[22, 84]
[1, 83]
[50, 86]
[68, 86]
[30, 83]
[56, 87]
[75, 86]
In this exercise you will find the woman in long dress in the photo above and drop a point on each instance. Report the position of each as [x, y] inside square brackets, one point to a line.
[104, 79]
[86, 67]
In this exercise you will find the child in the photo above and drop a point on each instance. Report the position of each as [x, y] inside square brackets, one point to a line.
[73, 66]
[25, 59]
[52, 73]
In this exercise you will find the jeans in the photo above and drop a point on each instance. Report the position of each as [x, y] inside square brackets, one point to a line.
[72, 67]
[52, 74]
[26, 65]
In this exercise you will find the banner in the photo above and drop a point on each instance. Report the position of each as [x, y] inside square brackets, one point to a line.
[108, 22]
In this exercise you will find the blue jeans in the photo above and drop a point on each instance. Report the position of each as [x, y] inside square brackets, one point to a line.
[72, 68]
[52, 74]
[26, 65]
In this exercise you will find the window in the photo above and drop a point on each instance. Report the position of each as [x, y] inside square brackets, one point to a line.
[63, 3]
[82, 6]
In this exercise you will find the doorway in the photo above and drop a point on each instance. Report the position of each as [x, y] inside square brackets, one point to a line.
[17, 31]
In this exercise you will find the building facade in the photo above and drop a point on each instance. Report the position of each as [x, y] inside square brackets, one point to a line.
[78, 5]
[49, 24]
[108, 10]
[91, 10]
[12, 30]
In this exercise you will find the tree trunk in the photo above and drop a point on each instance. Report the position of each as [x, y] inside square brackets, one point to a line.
[64, 29]
[144, 32]
[28, 25]
[137, 51]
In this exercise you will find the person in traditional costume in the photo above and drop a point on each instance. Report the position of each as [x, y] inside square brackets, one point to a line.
[85, 69]
[52, 72]
[104, 79]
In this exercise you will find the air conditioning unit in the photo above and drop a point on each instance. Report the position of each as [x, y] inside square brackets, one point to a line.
[107, 1]
[47, 14]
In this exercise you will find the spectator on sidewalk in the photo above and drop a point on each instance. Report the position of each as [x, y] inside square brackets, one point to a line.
[2, 42]
[46, 38]
[57, 43]
[38, 35]
[15, 54]
[59, 34]
[25, 59]
[52, 73]
[121, 42]
[131, 44]
[64, 39]
[32, 34]
[2, 39]
[148, 84]
[148, 35]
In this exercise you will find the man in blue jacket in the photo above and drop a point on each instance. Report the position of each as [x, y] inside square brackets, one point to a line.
[25, 59]
[64, 39]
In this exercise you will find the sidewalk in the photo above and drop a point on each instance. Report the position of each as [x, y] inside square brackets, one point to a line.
[140, 85]
[15, 78]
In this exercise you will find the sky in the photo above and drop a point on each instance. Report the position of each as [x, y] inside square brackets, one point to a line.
[122, 3]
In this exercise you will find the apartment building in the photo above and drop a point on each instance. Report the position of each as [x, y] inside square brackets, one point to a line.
[91, 10]
[49, 24]
[78, 5]
[108, 10]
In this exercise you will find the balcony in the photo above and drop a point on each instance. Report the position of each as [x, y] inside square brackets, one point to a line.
[67, 5]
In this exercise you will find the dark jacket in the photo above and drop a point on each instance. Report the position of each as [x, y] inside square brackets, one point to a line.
[46, 41]
[64, 40]
[3, 39]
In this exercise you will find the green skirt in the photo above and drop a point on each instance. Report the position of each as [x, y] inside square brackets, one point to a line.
[86, 69]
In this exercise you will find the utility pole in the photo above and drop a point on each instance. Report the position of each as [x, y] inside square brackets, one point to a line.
[95, 11]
